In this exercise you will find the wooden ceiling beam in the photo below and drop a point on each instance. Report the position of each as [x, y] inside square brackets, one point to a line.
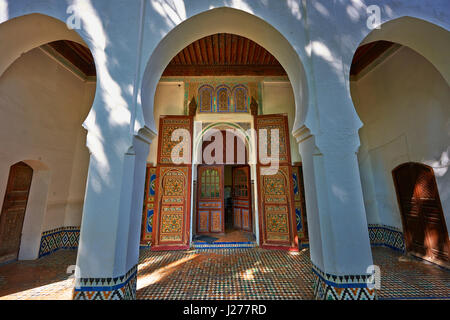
[228, 49]
[216, 48]
[198, 52]
[224, 49]
[210, 50]
[175, 70]
[192, 54]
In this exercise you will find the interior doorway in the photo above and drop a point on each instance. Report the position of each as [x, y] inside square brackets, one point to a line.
[224, 213]
[13, 210]
[420, 207]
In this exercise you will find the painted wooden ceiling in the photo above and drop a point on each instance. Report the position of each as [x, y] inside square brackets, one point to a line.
[224, 54]
[367, 54]
[77, 54]
[220, 54]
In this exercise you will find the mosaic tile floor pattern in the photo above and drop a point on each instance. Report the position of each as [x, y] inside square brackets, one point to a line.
[223, 274]
[42, 279]
[233, 235]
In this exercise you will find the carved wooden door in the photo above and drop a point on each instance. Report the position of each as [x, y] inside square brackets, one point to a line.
[171, 222]
[13, 211]
[242, 216]
[210, 204]
[275, 191]
[422, 216]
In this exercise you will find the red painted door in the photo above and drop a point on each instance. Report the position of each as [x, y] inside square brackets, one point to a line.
[13, 211]
[210, 204]
[423, 219]
[242, 215]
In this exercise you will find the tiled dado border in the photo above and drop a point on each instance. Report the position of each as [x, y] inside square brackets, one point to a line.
[119, 288]
[349, 287]
[386, 236]
[223, 245]
[60, 238]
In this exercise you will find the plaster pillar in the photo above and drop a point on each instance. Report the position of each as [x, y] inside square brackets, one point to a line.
[108, 253]
[338, 233]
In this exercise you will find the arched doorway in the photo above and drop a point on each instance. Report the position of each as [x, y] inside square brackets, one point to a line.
[223, 199]
[226, 82]
[421, 210]
[47, 86]
[13, 211]
[400, 90]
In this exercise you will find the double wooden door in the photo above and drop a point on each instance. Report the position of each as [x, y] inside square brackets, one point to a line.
[210, 204]
[423, 219]
[241, 195]
[13, 210]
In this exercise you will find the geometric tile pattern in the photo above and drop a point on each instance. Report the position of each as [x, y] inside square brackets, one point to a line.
[348, 287]
[404, 277]
[224, 274]
[243, 274]
[60, 238]
[119, 288]
[386, 236]
[223, 245]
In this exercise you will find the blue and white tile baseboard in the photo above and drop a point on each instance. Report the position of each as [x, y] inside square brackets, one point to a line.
[118, 288]
[347, 287]
[223, 245]
[68, 238]
[60, 238]
[387, 236]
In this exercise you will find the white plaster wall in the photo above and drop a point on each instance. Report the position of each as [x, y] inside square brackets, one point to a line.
[404, 104]
[169, 100]
[278, 97]
[42, 107]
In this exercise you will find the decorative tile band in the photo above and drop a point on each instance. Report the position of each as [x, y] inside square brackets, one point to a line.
[386, 236]
[119, 288]
[60, 238]
[347, 287]
[223, 245]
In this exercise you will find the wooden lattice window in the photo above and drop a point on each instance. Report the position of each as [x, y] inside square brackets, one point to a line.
[205, 94]
[241, 185]
[240, 98]
[210, 184]
[223, 99]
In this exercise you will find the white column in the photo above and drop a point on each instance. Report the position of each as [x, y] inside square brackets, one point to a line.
[108, 252]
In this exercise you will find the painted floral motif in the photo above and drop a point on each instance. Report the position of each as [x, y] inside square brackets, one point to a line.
[171, 223]
[168, 126]
[274, 185]
[173, 186]
[277, 223]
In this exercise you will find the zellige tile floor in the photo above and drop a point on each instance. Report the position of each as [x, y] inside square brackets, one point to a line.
[223, 274]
